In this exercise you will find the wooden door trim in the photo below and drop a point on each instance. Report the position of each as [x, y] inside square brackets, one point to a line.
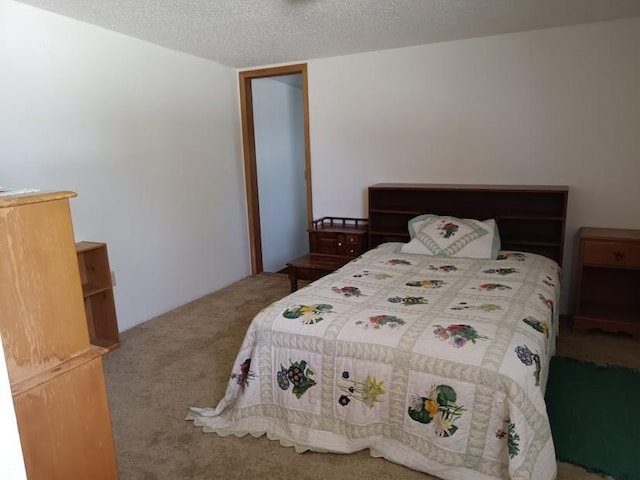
[249, 152]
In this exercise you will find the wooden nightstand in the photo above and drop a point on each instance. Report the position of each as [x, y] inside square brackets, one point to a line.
[312, 267]
[608, 295]
[333, 241]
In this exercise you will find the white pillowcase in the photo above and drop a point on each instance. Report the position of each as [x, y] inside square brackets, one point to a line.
[446, 236]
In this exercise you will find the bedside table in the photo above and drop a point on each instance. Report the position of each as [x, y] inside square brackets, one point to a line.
[608, 295]
[333, 241]
[312, 267]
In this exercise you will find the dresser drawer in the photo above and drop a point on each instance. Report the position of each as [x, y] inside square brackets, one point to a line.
[337, 243]
[612, 254]
[325, 242]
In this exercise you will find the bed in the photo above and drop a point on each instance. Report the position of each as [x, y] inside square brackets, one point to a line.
[435, 361]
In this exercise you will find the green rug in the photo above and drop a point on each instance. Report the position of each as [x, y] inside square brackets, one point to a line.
[595, 416]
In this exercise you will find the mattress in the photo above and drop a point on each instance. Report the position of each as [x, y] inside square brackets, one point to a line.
[438, 364]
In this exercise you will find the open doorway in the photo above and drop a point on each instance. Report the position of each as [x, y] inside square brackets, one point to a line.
[277, 172]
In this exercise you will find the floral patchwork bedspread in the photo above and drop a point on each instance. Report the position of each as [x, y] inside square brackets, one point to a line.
[435, 363]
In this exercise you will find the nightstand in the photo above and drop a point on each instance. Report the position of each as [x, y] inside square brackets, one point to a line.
[608, 295]
[311, 267]
[333, 241]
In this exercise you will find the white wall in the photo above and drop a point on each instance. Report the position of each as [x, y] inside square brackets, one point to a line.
[149, 139]
[280, 164]
[557, 106]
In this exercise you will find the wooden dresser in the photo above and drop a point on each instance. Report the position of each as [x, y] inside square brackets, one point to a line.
[56, 376]
[608, 295]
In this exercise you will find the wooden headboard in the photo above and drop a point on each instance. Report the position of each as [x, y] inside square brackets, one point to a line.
[530, 218]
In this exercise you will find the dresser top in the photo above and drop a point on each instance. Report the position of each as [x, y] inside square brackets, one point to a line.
[28, 198]
[472, 187]
[596, 233]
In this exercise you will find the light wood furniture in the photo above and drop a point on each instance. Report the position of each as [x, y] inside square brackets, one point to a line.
[333, 241]
[97, 290]
[530, 218]
[56, 375]
[608, 295]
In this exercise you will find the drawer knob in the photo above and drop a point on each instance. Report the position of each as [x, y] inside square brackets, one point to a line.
[339, 244]
[618, 255]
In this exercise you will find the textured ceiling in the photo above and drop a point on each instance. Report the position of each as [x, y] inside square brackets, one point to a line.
[251, 33]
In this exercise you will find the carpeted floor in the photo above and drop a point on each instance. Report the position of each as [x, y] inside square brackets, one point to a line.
[184, 357]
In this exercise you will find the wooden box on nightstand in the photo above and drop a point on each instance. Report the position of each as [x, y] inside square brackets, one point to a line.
[333, 241]
[345, 237]
[608, 294]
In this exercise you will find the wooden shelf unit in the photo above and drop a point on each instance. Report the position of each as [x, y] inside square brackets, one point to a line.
[608, 287]
[56, 375]
[530, 218]
[97, 291]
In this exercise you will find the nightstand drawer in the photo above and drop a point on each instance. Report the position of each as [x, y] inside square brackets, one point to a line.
[325, 242]
[611, 254]
[352, 250]
[336, 244]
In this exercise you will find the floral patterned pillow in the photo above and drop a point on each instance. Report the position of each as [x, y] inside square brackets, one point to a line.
[445, 236]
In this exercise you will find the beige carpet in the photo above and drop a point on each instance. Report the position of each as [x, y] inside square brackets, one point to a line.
[184, 358]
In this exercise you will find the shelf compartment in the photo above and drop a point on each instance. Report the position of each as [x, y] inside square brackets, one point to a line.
[97, 290]
[101, 320]
[610, 311]
[379, 237]
[93, 263]
[602, 286]
[88, 290]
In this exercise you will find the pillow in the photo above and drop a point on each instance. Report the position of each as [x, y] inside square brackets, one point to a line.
[446, 236]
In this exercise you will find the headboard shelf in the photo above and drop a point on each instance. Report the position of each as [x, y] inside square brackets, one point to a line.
[390, 233]
[396, 211]
[530, 218]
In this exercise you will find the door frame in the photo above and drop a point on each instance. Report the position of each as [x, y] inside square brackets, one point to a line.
[249, 152]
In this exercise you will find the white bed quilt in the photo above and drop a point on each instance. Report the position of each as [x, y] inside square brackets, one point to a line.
[435, 363]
